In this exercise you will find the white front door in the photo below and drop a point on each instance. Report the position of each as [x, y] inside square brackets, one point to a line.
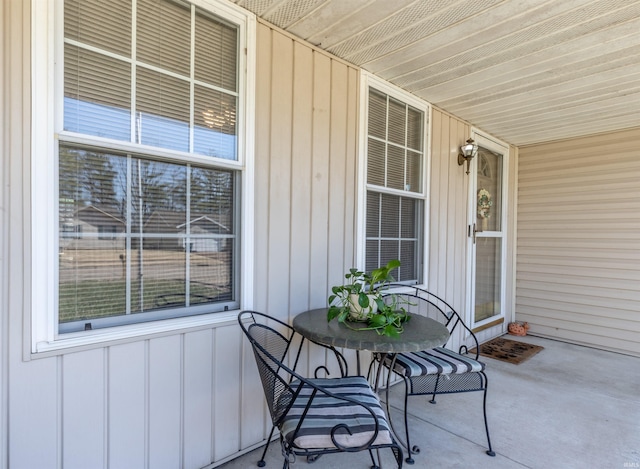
[487, 231]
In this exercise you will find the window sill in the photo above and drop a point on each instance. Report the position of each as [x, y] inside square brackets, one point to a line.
[78, 341]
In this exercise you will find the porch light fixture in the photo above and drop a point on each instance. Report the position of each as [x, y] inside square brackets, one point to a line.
[468, 151]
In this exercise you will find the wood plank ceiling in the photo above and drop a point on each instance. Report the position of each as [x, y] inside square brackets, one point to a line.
[526, 71]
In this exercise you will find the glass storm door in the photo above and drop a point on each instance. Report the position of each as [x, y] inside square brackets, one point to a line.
[487, 233]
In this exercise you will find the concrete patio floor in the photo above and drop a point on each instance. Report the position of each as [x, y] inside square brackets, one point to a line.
[566, 407]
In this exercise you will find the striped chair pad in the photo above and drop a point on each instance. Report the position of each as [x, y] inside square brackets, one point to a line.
[438, 361]
[327, 412]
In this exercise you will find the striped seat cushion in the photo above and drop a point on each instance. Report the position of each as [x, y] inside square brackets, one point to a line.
[433, 362]
[327, 412]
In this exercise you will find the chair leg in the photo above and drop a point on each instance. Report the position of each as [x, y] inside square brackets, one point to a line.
[374, 465]
[435, 389]
[490, 451]
[415, 449]
[262, 463]
[397, 453]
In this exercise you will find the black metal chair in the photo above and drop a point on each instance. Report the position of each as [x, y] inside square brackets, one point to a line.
[315, 416]
[440, 370]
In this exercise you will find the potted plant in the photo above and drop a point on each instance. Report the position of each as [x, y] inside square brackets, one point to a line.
[361, 300]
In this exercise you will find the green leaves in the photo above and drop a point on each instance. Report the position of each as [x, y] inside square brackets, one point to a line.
[359, 292]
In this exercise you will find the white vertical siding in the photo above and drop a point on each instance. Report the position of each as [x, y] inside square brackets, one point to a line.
[193, 398]
[448, 214]
[448, 210]
[127, 408]
[578, 268]
[306, 131]
[83, 409]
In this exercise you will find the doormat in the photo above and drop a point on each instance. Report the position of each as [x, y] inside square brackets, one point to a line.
[508, 350]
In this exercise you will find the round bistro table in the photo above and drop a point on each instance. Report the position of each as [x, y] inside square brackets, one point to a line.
[420, 333]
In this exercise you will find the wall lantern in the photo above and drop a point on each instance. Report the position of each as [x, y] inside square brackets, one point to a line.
[469, 150]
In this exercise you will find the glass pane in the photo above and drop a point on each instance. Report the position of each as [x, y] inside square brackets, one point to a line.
[389, 250]
[410, 217]
[214, 120]
[210, 269]
[390, 217]
[158, 274]
[92, 275]
[97, 94]
[398, 222]
[92, 229]
[372, 255]
[212, 200]
[414, 172]
[395, 167]
[488, 278]
[216, 52]
[397, 122]
[376, 162]
[164, 35]
[373, 214]
[489, 196]
[162, 110]
[92, 184]
[414, 129]
[409, 268]
[377, 114]
[89, 22]
[158, 196]
[210, 235]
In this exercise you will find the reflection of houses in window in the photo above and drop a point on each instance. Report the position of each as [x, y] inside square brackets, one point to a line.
[107, 231]
[92, 228]
[204, 235]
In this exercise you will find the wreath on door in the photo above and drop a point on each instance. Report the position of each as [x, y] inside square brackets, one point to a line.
[484, 203]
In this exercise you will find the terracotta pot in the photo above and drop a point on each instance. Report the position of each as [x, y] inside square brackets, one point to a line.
[518, 328]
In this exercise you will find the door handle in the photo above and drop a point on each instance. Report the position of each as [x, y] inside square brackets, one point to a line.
[473, 230]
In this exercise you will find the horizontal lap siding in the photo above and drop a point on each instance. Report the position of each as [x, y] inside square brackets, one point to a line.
[578, 263]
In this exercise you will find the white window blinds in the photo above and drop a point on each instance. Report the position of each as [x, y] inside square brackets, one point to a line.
[147, 234]
[169, 80]
[395, 186]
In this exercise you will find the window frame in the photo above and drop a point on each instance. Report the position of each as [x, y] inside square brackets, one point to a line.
[41, 327]
[368, 81]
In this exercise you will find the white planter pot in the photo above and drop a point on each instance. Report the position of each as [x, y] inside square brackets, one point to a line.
[358, 313]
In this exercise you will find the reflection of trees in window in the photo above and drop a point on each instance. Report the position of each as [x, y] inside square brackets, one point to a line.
[484, 168]
[89, 178]
[157, 188]
[211, 193]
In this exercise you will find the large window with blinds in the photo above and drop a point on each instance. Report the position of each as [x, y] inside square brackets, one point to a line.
[395, 183]
[150, 163]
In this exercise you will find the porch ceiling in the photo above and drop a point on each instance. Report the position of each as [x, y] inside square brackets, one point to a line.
[526, 71]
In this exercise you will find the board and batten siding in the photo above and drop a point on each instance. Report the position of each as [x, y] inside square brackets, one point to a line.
[578, 264]
[306, 143]
[189, 399]
[447, 256]
[193, 398]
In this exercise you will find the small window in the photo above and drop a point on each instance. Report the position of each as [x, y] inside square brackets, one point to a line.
[395, 196]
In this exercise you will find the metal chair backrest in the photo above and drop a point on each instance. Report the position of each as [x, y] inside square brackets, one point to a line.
[271, 350]
[419, 301]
